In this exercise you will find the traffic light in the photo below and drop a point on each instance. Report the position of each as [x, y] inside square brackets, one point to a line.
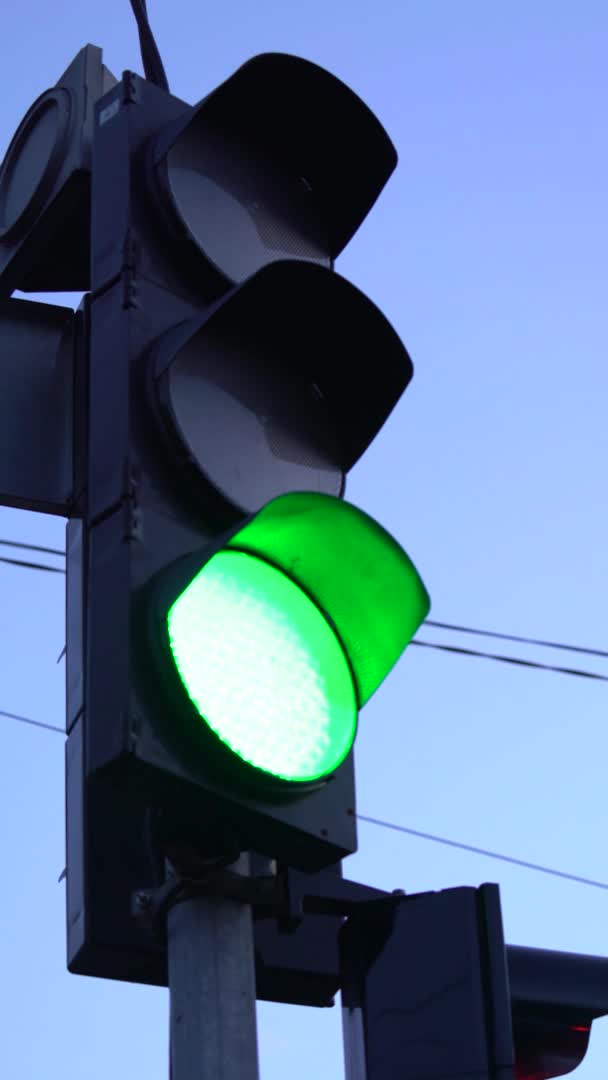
[45, 184]
[237, 613]
[430, 991]
[555, 996]
[228, 613]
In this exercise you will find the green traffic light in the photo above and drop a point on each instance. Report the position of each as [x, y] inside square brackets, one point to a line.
[283, 635]
[264, 668]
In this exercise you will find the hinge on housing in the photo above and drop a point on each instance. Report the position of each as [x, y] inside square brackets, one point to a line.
[130, 505]
[129, 272]
[132, 519]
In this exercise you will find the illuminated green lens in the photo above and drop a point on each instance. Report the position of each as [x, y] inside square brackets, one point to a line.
[264, 668]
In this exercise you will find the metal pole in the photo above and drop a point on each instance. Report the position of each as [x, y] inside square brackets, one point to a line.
[213, 1033]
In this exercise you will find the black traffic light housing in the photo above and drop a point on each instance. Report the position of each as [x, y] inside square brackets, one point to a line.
[555, 997]
[424, 988]
[212, 389]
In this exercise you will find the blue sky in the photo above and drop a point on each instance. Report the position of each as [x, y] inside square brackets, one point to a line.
[487, 251]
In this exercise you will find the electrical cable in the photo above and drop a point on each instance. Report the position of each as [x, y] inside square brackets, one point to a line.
[32, 565]
[151, 59]
[516, 637]
[32, 547]
[483, 851]
[34, 723]
[511, 660]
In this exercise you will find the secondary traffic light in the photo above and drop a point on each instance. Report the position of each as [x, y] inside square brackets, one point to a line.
[45, 184]
[555, 997]
[238, 613]
[431, 991]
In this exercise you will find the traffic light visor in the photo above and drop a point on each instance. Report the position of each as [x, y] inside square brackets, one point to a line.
[281, 386]
[280, 132]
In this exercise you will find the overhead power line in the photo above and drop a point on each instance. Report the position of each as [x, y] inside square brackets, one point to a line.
[28, 564]
[34, 723]
[516, 637]
[32, 547]
[482, 851]
[510, 660]
[32, 565]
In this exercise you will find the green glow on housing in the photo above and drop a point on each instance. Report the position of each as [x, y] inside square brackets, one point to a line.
[264, 668]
